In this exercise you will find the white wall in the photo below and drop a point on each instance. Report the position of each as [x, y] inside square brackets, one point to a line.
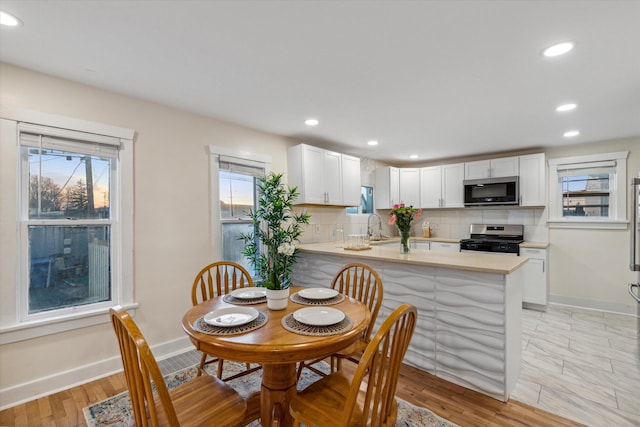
[172, 235]
[590, 268]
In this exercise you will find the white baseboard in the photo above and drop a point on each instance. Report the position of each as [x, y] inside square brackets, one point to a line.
[630, 309]
[45, 386]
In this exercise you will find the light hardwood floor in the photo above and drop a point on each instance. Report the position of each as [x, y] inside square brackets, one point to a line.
[457, 404]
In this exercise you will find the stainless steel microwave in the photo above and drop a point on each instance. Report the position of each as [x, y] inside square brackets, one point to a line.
[492, 191]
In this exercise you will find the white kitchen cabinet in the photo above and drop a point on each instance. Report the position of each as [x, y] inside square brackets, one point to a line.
[452, 185]
[535, 272]
[431, 187]
[445, 246]
[387, 190]
[351, 189]
[318, 175]
[442, 186]
[410, 186]
[492, 168]
[532, 180]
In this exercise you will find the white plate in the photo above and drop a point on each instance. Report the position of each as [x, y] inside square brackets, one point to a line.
[318, 316]
[318, 293]
[249, 293]
[231, 316]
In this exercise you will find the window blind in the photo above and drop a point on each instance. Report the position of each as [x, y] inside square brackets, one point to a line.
[69, 141]
[242, 166]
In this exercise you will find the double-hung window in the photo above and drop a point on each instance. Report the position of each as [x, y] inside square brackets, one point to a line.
[67, 225]
[73, 214]
[234, 193]
[588, 191]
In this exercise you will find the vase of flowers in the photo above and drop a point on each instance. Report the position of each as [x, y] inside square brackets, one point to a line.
[402, 216]
[271, 248]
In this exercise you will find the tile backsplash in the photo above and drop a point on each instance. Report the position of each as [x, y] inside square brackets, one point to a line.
[446, 223]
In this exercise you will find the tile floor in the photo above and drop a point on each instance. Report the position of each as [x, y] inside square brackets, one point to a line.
[581, 364]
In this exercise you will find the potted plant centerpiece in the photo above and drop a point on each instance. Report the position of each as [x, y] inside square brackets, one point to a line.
[270, 248]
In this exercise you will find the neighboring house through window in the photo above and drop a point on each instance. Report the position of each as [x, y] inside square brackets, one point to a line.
[74, 216]
[588, 191]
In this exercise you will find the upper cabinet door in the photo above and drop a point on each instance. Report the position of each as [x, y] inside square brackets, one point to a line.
[387, 189]
[505, 166]
[313, 175]
[431, 187]
[351, 180]
[410, 186]
[452, 185]
[477, 170]
[333, 178]
[532, 180]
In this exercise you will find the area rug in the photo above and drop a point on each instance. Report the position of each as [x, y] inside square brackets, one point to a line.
[116, 411]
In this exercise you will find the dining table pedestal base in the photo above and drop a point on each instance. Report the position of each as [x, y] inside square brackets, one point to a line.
[277, 391]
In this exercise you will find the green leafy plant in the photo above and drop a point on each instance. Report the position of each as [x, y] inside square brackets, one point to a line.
[271, 248]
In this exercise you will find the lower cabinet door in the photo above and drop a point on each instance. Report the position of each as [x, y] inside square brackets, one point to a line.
[534, 286]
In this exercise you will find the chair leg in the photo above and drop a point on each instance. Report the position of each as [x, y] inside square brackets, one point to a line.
[220, 366]
[203, 359]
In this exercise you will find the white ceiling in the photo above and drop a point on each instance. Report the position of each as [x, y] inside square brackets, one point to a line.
[440, 79]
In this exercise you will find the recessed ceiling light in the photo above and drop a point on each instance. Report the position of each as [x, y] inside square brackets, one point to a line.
[413, 156]
[571, 133]
[311, 122]
[8, 19]
[558, 49]
[566, 107]
[372, 142]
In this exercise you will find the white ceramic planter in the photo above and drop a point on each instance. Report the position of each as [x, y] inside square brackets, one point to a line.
[277, 299]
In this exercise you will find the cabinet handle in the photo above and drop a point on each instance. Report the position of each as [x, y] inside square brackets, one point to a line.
[543, 266]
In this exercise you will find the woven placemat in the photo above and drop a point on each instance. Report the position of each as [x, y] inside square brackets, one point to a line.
[230, 299]
[292, 325]
[201, 326]
[307, 301]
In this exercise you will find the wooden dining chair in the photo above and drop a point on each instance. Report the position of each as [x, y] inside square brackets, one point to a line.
[368, 399]
[363, 283]
[220, 278]
[202, 401]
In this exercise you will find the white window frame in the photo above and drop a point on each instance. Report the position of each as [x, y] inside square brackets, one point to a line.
[15, 324]
[239, 157]
[617, 193]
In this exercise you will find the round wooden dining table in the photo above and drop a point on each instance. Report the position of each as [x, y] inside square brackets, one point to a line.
[276, 349]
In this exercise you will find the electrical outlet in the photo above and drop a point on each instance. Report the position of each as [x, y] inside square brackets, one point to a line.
[316, 229]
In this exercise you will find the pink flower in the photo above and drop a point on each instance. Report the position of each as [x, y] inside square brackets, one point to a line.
[392, 220]
[396, 206]
[419, 213]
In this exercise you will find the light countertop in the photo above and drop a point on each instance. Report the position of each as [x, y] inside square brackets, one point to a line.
[525, 244]
[455, 260]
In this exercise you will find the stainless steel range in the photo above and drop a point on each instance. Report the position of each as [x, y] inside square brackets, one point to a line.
[494, 238]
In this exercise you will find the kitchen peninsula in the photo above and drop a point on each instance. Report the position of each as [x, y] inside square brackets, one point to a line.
[469, 328]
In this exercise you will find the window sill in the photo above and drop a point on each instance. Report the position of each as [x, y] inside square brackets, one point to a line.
[588, 224]
[40, 328]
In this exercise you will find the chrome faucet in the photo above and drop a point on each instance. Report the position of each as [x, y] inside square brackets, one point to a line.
[369, 232]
